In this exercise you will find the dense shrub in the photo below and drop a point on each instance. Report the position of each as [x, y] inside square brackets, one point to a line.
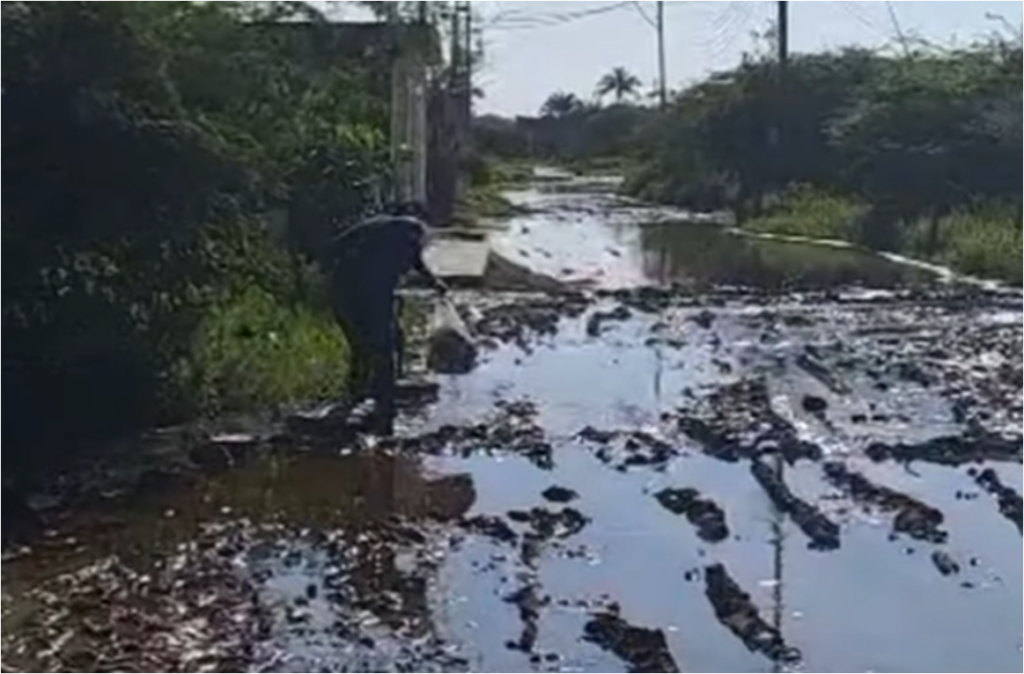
[147, 150]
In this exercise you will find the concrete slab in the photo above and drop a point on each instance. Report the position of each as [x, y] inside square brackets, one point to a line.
[458, 262]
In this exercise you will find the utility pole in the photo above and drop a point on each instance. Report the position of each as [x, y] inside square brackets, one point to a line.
[458, 99]
[783, 36]
[662, 85]
[468, 64]
[782, 46]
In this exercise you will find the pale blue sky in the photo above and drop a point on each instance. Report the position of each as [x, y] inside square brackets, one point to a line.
[526, 61]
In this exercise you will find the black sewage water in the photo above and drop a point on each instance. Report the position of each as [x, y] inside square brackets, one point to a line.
[725, 455]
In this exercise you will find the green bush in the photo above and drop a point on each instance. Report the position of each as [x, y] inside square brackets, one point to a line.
[891, 140]
[143, 282]
[252, 351]
[984, 242]
[804, 212]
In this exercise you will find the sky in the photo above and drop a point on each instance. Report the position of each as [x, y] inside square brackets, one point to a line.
[535, 48]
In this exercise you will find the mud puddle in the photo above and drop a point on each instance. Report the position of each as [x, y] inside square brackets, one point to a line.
[628, 481]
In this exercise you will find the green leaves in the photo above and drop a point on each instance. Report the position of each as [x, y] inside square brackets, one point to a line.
[143, 145]
[896, 130]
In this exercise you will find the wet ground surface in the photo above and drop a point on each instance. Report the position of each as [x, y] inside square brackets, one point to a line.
[728, 455]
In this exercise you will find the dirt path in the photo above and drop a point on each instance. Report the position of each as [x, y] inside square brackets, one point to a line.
[730, 456]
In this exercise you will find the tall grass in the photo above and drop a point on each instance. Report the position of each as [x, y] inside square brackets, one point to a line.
[804, 212]
[252, 351]
[983, 241]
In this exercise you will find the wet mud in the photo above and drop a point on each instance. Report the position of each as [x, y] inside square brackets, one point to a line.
[910, 515]
[703, 513]
[815, 416]
[644, 649]
[736, 421]
[735, 610]
[1008, 499]
[822, 532]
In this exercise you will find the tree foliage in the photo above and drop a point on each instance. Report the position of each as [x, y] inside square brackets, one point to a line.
[914, 136]
[569, 129]
[620, 83]
[143, 146]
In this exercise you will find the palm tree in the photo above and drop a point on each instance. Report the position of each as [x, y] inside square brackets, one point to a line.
[561, 104]
[619, 82]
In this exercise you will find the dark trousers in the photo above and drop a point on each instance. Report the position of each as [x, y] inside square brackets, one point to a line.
[377, 343]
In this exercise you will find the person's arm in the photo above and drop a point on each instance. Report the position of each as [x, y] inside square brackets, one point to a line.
[421, 268]
[419, 265]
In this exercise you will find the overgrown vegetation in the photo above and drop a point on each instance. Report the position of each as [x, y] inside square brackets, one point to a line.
[151, 151]
[915, 153]
[569, 130]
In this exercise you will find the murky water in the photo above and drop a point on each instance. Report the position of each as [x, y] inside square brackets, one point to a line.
[635, 245]
[462, 556]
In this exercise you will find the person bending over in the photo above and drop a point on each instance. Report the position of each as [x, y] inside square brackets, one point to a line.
[372, 259]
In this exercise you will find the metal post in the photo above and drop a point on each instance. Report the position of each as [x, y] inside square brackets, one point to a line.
[662, 85]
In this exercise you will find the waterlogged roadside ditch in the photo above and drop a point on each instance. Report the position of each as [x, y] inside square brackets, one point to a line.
[730, 456]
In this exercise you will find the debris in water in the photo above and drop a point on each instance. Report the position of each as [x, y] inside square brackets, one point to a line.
[912, 517]
[644, 649]
[735, 610]
[562, 524]
[599, 318]
[557, 494]
[951, 450]
[1009, 500]
[703, 513]
[945, 563]
[450, 346]
[814, 404]
[823, 532]
[529, 604]
[736, 421]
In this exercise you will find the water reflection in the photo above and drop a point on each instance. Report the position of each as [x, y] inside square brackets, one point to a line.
[355, 491]
[336, 546]
[576, 234]
[708, 256]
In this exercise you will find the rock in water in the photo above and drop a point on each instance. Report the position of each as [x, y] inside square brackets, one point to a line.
[450, 346]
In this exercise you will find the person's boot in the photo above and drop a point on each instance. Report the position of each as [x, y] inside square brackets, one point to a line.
[383, 425]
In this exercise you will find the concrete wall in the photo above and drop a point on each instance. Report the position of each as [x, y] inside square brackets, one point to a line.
[409, 134]
[443, 168]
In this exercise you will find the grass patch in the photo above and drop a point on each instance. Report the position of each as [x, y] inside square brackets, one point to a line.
[513, 173]
[984, 241]
[810, 214]
[251, 351]
[483, 201]
[602, 166]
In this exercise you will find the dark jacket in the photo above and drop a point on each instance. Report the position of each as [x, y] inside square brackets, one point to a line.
[373, 257]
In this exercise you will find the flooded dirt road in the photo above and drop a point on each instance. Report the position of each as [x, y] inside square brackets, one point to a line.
[728, 455]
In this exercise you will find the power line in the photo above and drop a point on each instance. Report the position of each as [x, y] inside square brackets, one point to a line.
[857, 12]
[513, 19]
[646, 17]
[662, 72]
[728, 26]
[897, 27]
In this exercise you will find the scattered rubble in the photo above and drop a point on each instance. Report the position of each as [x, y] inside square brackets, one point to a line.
[189, 612]
[823, 532]
[911, 516]
[557, 494]
[642, 648]
[950, 450]
[703, 513]
[1009, 500]
[735, 610]
[736, 421]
